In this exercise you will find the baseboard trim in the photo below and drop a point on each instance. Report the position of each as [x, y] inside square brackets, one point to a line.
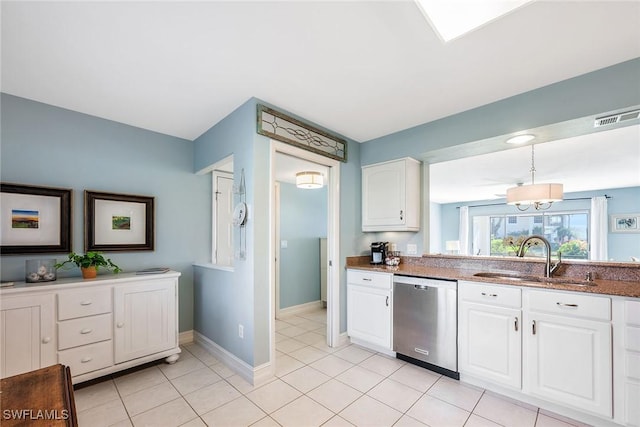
[185, 337]
[255, 376]
[301, 308]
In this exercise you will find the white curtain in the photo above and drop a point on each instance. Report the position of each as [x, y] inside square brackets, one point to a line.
[598, 229]
[464, 230]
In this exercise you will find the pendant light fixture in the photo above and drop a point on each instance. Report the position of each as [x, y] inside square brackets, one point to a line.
[540, 196]
[309, 180]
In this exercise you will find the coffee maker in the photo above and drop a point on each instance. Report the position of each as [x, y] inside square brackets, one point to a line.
[378, 252]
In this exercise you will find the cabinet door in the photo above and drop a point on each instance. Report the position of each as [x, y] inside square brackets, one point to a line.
[568, 361]
[145, 317]
[369, 315]
[383, 195]
[27, 334]
[490, 340]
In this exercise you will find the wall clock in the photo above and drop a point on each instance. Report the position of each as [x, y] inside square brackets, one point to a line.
[240, 214]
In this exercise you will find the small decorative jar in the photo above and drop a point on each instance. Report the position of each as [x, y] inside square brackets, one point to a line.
[40, 270]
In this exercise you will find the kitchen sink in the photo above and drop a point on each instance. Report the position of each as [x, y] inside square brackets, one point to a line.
[537, 279]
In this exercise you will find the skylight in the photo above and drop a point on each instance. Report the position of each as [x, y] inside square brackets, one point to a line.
[454, 18]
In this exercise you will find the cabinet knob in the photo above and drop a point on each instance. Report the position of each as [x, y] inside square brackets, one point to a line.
[120, 324]
[46, 340]
[86, 331]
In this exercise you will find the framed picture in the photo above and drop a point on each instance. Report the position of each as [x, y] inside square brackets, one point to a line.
[625, 223]
[34, 220]
[118, 222]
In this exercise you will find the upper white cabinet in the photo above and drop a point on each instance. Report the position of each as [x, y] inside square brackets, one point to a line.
[391, 196]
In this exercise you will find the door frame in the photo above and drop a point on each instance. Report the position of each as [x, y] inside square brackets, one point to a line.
[333, 238]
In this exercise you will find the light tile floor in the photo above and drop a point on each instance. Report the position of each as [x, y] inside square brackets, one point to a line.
[314, 385]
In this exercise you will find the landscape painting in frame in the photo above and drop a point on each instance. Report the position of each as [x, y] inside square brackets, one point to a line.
[34, 219]
[118, 222]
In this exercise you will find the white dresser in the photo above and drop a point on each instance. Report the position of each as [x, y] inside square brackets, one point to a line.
[95, 326]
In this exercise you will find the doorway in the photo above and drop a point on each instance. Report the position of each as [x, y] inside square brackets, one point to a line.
[331, 168]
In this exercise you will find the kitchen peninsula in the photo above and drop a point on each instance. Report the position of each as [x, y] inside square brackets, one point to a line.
[568, 343]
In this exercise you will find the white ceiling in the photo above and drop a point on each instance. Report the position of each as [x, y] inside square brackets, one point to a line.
[361, 68]
[579, 163]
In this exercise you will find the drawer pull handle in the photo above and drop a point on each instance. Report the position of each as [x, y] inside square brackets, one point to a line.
[484, 294]
[366, 279]
[86, 359]
[46, 340]
[86, 302]
[86, 331]
[387, 302]
[515, 324]
[561, 304]
[120, 324]
[533, 327]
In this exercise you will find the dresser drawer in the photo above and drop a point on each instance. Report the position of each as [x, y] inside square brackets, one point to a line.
[73, 304]
[87, 358]
[569, 304]
[84, 330]
[490, 294]
[632, 365]
[632, 338]
[367, 278]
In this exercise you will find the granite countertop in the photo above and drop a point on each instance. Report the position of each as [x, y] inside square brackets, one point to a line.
[419, 267]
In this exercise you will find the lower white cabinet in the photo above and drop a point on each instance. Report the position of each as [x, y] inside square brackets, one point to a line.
[567, 348]
[145, 319]
[27, 333]
[626, 349]
[95, 326]
[369, 306]
[490, 333]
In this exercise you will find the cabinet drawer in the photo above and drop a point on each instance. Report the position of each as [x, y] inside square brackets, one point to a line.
[373, 279]
[490, 294]
[632, 338]
[632, 312]
[84, 303]
[87, 358]
[569, 304]
[85, 330]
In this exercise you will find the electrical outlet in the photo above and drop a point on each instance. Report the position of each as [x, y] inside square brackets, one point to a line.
[241, 331]
[412, 249]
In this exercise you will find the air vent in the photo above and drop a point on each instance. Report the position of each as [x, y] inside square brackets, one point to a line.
[616, 118]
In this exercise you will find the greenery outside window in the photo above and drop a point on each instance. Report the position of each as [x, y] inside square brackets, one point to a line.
[567, 232]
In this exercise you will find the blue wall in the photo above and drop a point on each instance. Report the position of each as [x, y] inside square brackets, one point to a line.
[303, 221]
[623, 201]
[44, 145]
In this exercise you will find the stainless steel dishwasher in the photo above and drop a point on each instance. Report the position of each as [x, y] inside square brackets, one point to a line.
[425, 323]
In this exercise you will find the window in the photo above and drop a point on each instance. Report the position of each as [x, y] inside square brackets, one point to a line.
[567, 232]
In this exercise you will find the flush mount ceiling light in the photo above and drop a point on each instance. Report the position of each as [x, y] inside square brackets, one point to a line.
[454, 18]
[520, 139]
[540, 196]
[309, 179]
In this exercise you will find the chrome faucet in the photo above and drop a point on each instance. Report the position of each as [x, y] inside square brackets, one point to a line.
[549, 268]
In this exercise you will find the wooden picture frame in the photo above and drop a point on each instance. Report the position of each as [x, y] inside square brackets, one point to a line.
[34, 220]
[118, 222]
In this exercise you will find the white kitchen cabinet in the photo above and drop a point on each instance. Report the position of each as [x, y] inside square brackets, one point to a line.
[104, 325]
[369, 308]
[567, 349]
[391, 196]
[490, 333]
[626, 316]
[145, 319]
[27, 333]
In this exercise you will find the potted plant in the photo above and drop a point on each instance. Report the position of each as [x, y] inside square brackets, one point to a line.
[89, 263]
